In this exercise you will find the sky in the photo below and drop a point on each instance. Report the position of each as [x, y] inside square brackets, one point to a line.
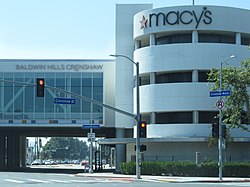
[70, 29]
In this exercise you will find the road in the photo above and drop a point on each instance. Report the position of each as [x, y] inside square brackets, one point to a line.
[21, 179]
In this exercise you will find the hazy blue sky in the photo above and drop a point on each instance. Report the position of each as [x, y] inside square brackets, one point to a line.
[70, 29]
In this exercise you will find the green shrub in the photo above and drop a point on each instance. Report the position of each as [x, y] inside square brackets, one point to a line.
[236, 169]
[208, 169]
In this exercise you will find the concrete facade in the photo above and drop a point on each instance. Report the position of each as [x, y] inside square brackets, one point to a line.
[169, 43]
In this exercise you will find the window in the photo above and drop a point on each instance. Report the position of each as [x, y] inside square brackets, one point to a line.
[171, 39]
[173, 77]
[216, 38]
[208, 116]
[245, 41]
[203, 76]
[174, 117]
[20, 102]
[144, 80]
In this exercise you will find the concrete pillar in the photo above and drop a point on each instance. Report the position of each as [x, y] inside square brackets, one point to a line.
[152, 39]
[2, 151]
[152, 117]
[238, 39]
[195, 37]
[22, 151]
[195, 117]
[195, 75]
[10, 151]
[152, 78]
[120, 150]
[16, 150]
[198, 158]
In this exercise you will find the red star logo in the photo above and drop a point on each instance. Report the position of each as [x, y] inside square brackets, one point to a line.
[144, 22]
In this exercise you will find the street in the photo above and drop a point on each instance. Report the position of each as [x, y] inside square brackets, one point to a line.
[21, 179]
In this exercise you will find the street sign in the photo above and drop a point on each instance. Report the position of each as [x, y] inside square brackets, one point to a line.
[91, 135]
[64, 101]
[225, 93]
[218, 93]
[220, 104]
[215, 94]
[89, 126]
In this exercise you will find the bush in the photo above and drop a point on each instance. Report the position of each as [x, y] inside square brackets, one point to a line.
[237, 169]
[208, 169]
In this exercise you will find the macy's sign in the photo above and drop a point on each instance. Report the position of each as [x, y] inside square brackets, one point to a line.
[185, 17]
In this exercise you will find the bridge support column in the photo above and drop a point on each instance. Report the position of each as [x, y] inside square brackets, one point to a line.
[13, 150]
[2, 151]
[22, 151]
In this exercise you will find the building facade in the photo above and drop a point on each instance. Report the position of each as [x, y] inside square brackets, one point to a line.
[176, 47]
[19, 103]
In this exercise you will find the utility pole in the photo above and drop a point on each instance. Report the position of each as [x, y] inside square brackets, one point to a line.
[220, 121]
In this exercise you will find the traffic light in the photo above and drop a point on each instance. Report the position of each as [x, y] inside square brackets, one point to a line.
[143, 129]
[224, 131]
[215, 130]
[143, 148]
[40, 87]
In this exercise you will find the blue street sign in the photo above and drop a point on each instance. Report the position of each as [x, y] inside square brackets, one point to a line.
[218, 93]
[64, 101]
[225, 93]
[215, 94]
[89, 126]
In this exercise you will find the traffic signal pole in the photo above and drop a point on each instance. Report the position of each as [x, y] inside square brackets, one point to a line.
[220, 121]
[138, 116]
[138, 119]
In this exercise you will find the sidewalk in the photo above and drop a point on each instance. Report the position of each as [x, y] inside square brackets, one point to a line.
[149, 178]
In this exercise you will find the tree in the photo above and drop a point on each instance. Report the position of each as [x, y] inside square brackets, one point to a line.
[65, 148]
[237, 107]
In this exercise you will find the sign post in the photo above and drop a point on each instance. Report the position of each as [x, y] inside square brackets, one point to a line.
[220, 105]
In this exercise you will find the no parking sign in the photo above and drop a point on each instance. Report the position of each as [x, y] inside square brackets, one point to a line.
[220, 104]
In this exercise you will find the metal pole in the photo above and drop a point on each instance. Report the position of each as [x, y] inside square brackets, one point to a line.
[138, 119]
[138, 116]
[220, 128]
[220, 121]
[91, 131]
[91, 153]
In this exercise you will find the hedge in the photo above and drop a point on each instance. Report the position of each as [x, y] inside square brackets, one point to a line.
[208, 169]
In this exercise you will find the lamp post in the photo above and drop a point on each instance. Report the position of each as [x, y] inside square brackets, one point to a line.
[220, 119]
[138, 116]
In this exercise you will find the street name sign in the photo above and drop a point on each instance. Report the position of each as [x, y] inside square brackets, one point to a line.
[218, 93]
[69, 101]
[89, 126]
[225, 93]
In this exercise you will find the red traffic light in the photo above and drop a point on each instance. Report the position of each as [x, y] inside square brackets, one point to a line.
[143, 129]
[41, 82]
[143, 124]
[40, 87]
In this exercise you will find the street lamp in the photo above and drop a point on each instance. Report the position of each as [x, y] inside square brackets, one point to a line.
[138, 116]
[220, 119]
